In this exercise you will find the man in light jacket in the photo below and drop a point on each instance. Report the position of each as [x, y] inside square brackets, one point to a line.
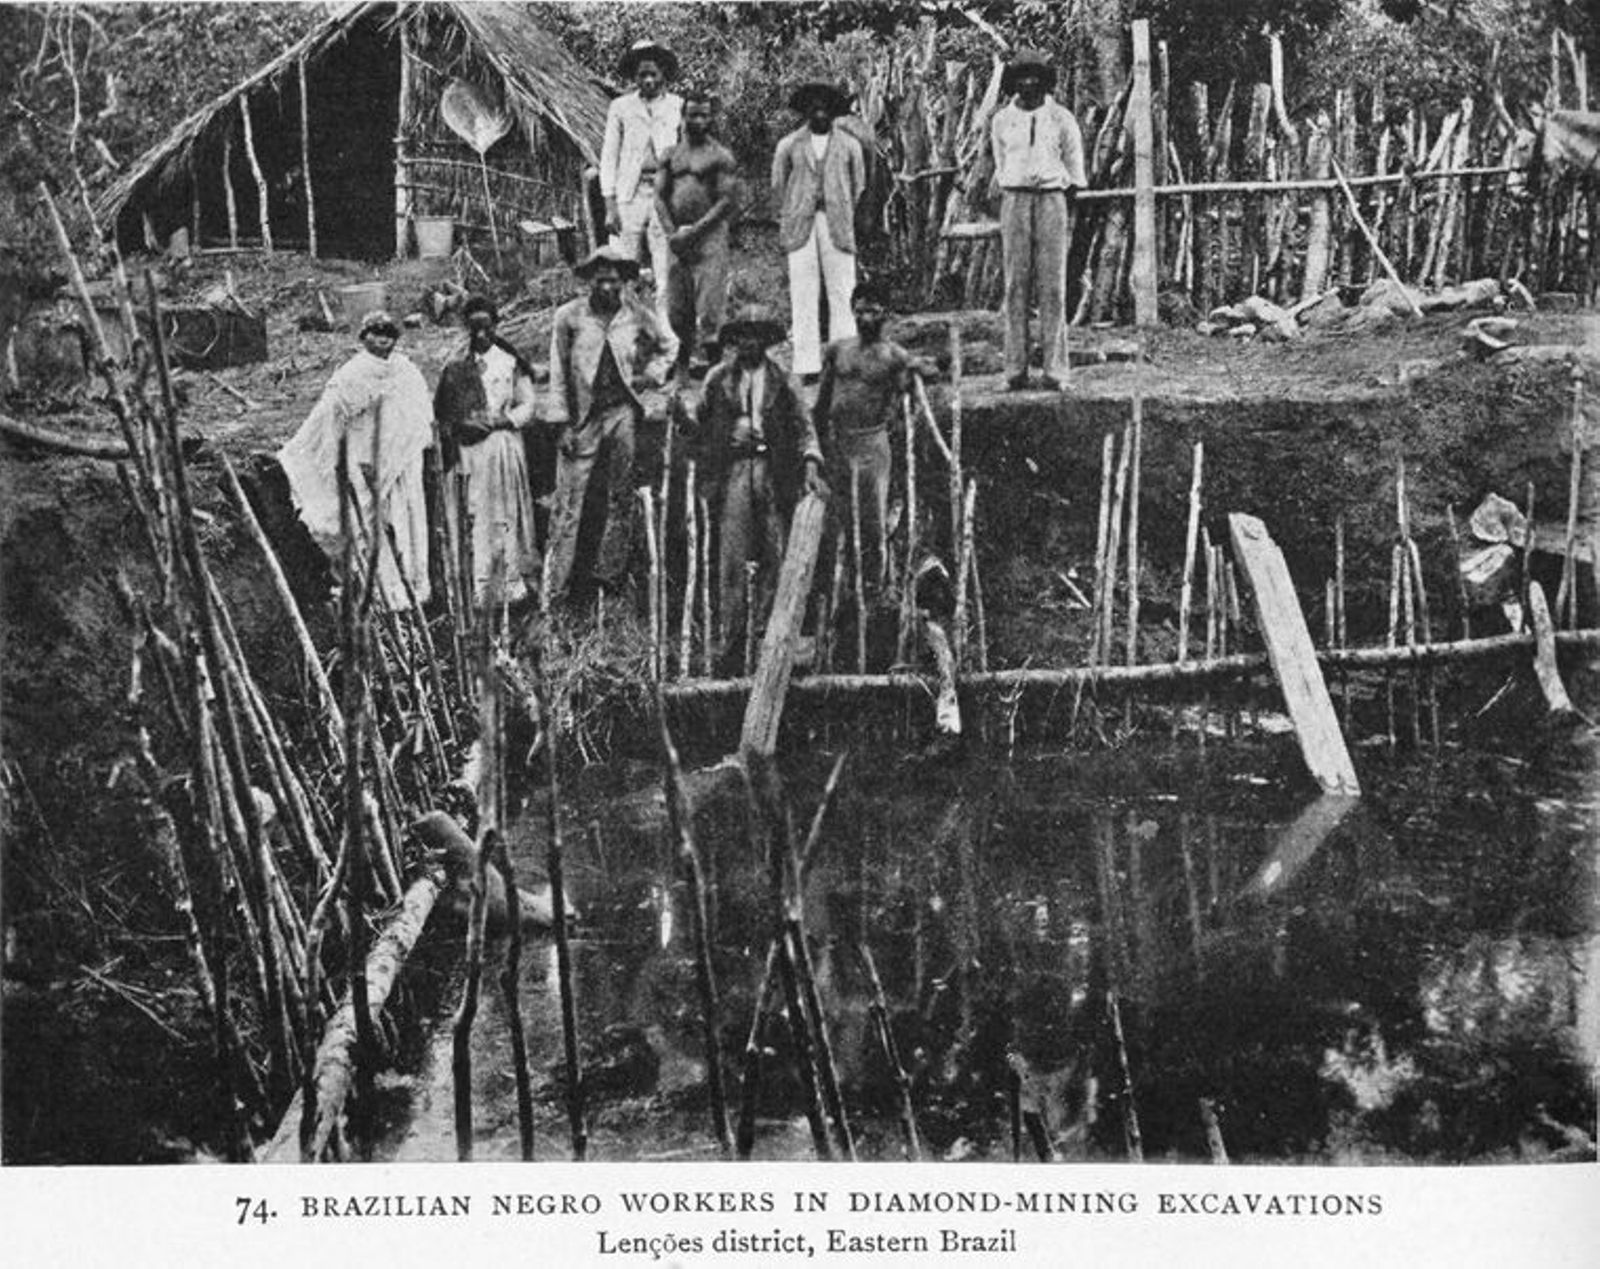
[641, 126]
[818, 174]
[1038, 163]
[605, 348]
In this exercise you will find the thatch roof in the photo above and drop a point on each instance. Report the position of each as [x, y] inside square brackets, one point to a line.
[541, 80]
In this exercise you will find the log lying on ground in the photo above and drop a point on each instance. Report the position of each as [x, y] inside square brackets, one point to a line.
[62, 442]
[1113, 677]
[335, 1064]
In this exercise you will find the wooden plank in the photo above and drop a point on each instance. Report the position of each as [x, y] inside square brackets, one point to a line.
[1142, 274]
[764, 711]
[1293, 656]
[1544, 653]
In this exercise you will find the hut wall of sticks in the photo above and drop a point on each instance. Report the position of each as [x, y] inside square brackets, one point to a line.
[337, 145]
[1249, 199]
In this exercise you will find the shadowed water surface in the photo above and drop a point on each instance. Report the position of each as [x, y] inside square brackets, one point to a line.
[1407, 977]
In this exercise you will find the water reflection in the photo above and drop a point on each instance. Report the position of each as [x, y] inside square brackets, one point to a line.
[1116, 941]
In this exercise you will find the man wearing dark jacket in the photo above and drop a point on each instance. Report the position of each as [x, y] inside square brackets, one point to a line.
[758, 453]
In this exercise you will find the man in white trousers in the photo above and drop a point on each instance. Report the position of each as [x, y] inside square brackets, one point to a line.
[641, 126]
[818, 174]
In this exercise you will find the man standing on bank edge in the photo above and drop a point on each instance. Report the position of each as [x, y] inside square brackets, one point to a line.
[818, 174]
[1038, 164]
[641, 126]
[605, 348]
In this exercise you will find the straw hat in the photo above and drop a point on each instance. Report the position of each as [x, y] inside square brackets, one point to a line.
[1028, 59]
[648, 50]
[812, 91]
[625, 264]
[758, 320]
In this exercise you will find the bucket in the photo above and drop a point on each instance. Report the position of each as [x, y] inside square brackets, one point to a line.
[355, 302]
[434, 235]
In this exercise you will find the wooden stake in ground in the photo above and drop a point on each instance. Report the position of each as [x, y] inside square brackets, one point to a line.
[882, 1025]
[691, 564]
[1567, 592]
[558, 906]
[1133, 530]
[648, 499]
[1293, 656]
[1186, 596]
[679, 823]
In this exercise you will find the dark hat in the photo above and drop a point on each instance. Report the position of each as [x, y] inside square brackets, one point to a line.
[380, 320]
[627, 265]
[1028, 59]
[812, 91]
[758, 320]
[648, 50]
[479, 304]
[871, 289]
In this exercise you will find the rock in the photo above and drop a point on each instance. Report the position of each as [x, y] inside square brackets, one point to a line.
[1369, 319]
[1245, 330]
[1326, 312]
[1480, 344]
[1210, 328]
[1477, 294]
[1385, 294]
[1496, 327]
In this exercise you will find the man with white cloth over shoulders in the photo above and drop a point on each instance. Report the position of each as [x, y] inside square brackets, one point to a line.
[378, 394]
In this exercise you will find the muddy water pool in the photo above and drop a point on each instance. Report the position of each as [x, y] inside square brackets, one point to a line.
[1408, 977]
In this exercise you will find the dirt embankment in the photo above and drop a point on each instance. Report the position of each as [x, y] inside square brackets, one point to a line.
[1297, 434]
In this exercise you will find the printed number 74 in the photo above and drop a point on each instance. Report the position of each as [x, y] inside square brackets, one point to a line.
[253, 1209]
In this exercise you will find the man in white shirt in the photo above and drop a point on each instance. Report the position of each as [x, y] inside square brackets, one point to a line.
[1038, 164]
[818, 174]
[641, 126]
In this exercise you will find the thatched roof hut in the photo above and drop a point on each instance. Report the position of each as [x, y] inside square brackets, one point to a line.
[342, 137]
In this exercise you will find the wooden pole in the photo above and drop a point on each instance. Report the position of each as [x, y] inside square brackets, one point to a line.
[1293, 656]
[957, 491]
[255, 168]
[882, 1024]
[1133, 529]
[707, 631]
[857, 583]
[1377, 251]
[647, 497]
[679, 821]
[402, 155]
[691, 563]
[305, 163]
[1567, 593]
[908, 576]
[1145, 266]
[1108, 611]
[227, 188]
[558, 906]
[1186, 594]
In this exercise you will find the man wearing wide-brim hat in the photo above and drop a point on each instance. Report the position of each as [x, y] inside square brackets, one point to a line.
[605, 348]
[641, 126]
[757, 450]
[818, 173]
[1038, 162]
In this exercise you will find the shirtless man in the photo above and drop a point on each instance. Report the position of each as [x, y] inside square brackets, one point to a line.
[697, 192]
